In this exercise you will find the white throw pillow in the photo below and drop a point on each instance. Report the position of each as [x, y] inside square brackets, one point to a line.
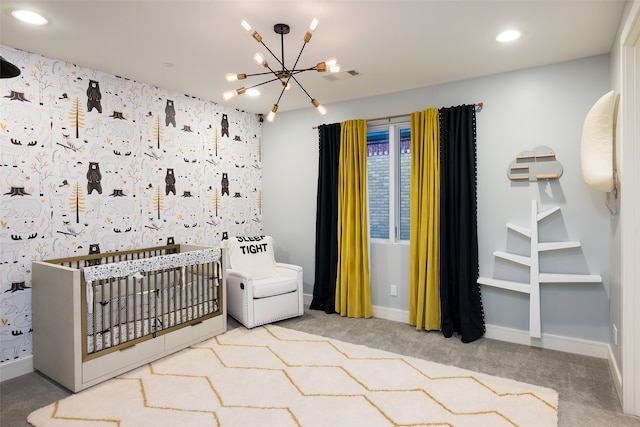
[252, 255]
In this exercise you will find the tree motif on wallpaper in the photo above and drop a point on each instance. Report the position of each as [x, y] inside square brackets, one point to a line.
[215, 201]
[259, 149]
[215, 140]
[40, 74]
[76, 116]
[158, 201]
[134, 172]
[42, 249]
[158, 131]
[259, 201]
[76, 201]
[41, 167]
[133, 100]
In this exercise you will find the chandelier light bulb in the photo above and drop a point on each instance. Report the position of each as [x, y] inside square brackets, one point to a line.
[331, 62]
[272, 114]
[321, 108]
[246, 26]
[312, 28]
[313, 25]
[334, 68]
[232, 77]
[229, 95]
[260, 60]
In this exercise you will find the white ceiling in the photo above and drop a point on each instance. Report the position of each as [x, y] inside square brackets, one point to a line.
[394, 45]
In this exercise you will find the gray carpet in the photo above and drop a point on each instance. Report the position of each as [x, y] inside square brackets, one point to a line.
[587, 393]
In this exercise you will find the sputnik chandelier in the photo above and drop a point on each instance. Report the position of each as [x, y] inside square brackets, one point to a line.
[285, 74]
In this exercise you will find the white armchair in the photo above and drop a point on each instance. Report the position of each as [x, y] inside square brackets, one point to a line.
[259, 289]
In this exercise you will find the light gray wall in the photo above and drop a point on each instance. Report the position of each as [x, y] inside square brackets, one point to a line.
[522, 110]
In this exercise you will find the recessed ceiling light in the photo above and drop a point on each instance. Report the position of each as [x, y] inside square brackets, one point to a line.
[253, 92]
[508, 36]
[29, 17]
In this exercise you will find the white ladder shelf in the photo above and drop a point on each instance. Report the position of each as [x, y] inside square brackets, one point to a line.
[535, 277]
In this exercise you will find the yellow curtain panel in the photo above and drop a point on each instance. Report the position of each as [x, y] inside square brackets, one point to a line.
[353, 289]
[424, 274]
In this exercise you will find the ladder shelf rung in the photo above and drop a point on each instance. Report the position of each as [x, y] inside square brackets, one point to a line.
[520, 259]
[569, 278]
[505, 284]
[543, 215]
[522, 230]
[552, 246]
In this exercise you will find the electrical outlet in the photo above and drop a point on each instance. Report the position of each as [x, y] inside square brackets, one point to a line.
[394, 291]
[615, 334]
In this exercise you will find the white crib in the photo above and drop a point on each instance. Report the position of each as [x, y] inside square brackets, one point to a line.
[100, 315]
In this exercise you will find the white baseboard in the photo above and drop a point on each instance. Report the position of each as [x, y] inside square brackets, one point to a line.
[549, 341]
[616, 374]
[516, 336]
[394, 314]
[16, 368]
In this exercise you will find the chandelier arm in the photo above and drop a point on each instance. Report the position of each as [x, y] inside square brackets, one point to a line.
[282, 51]
[260, 74]
[284, 86]
[301, 87]
[299, 55]
[291, 76]
[272, 54]
[264, 83]
[301, 70]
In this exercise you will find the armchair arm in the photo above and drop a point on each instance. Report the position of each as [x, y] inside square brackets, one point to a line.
[288, 269]
[239, 275]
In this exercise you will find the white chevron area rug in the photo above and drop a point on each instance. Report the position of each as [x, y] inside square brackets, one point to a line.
[272, 376]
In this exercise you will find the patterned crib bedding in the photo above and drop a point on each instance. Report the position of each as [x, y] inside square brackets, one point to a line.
[130, 299]
[136, 329]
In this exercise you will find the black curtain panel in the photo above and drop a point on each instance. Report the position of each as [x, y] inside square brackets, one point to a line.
[460, 298]
[324, 288]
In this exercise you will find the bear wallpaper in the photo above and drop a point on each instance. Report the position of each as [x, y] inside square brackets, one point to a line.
[92, 162]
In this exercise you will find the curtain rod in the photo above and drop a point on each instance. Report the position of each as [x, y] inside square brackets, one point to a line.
[479, 106]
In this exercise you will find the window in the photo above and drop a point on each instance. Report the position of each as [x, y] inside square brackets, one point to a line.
[389, 181]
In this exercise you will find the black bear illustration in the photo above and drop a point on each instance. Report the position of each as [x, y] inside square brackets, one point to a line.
[94, 248]
[170, 181]
[93, 178]
[225, 125]
[170, 111]
[94, 96]
[225, 184]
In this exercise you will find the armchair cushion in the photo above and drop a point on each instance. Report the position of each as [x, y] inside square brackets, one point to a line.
[253, 255]
[274, 286]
